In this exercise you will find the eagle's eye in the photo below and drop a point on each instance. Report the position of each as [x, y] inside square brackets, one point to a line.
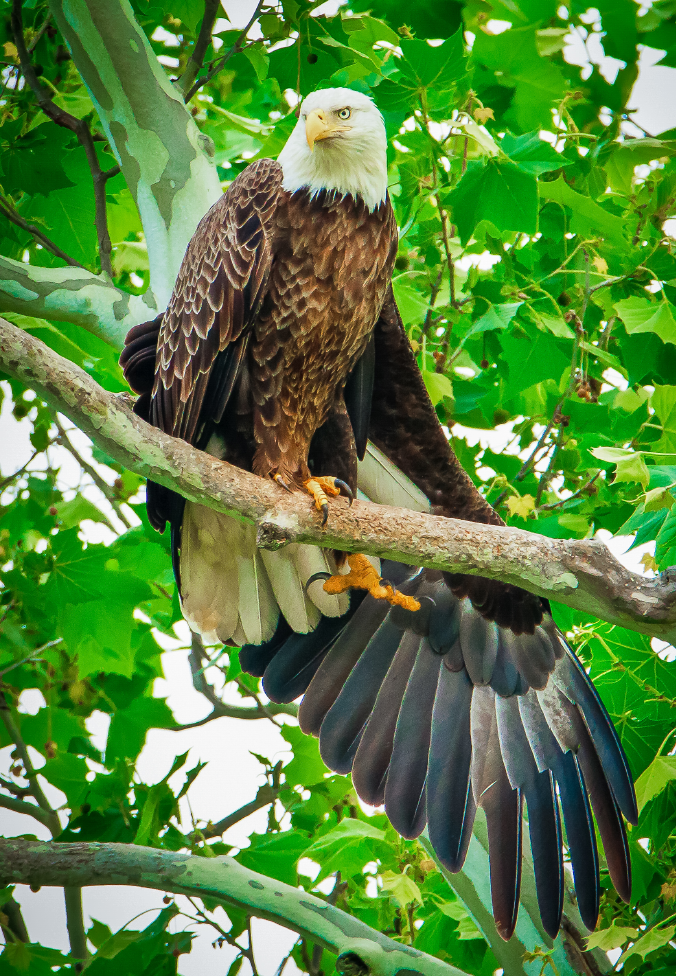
[344, 113]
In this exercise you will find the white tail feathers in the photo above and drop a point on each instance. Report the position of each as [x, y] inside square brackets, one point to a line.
[232, 591]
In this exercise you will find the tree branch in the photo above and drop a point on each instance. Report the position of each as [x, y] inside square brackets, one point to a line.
[221, 62]
[223, 879]
[15, 217]
[71, 295]
[166, 161]
[196, 59]
[580, 573]
[266, 794]
[79, 127]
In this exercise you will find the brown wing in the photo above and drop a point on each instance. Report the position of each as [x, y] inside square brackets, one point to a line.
[405, 426]
[217, 295]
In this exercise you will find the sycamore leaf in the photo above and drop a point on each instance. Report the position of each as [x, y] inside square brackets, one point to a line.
[649, 562]
[612, 938]
[402, 888]
[600, 264]
[643, 315]
[438, 386]
[656, 499]
[654, 779]
[630, 464]
[482, 115]
[521, 505]
[652, 940]
[499, 191]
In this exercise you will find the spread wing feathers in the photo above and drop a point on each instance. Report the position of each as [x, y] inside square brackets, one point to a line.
[439, 712]
[233, 591]
[216, 297]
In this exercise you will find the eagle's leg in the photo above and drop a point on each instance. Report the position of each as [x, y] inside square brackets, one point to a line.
[319, 488]
[363, 576]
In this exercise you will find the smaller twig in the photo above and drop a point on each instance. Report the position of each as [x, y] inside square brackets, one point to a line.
[266, 794]
[196, 59]
[89, 469]
[78, 127]
[17, 474]
[38, 37]
[19, 791]
[576, 494]
[248, 693]
[29, 809]
[14, 927]
[77, 936]
[250, 954]
[51, 819]
[31, 656]
[434, 294]
[15, 218]
[221, 62]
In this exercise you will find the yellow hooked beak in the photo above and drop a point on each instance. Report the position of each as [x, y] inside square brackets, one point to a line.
[317, 126]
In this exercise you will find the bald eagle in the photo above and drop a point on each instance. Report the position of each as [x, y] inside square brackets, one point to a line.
[282, 351]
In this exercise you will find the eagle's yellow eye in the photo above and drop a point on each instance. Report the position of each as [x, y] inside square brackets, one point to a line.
[344, 113]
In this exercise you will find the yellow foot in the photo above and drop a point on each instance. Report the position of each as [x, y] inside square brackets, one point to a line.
[319, 488]
[363, 576]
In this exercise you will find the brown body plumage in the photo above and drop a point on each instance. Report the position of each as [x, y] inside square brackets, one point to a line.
[298, 284]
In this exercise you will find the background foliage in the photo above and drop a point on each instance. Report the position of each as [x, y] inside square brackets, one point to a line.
[538, 286]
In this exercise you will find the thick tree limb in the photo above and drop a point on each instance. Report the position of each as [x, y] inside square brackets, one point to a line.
[166, 162]
[222, 878]
[581, 574]
[71, 295]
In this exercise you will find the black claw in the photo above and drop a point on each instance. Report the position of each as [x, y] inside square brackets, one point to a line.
[325, 514]
[386, 582]
[315, 577]
[280, 481]
[344, 488]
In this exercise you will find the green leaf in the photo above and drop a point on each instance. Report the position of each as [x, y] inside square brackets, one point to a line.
[654, 779]
[438, 386]
[653, 939]
[258, 57]
[76, 510]
[437, 68]
[306, 766]
[347, 848]
[657, 499]
[275, 855]
[663, 402]
[588, 218]
[67, 773]
[532, 154]
[497, 191]
[630, 464]
[129, 727]
[643, 315]
[401, 888]
[610, 938]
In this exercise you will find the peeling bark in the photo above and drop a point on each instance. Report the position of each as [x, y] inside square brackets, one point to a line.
[71, 295]
[166, 161]
[582, 574]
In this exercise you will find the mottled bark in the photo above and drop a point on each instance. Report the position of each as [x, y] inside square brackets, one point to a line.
[223, 879]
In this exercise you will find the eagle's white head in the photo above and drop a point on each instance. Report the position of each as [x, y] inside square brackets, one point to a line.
[339, 144]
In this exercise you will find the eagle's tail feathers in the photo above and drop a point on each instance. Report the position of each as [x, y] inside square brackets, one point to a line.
[450, 801]
[289, 589]
[344, 723]
[364, 619]
[438, 716]
[310, 560]
[209, 578]
[405, 790]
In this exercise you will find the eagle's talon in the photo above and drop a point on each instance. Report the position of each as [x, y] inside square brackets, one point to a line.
[315, 577]
[344, 489]
[280, 481]
[325, 513]
[363, 576]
